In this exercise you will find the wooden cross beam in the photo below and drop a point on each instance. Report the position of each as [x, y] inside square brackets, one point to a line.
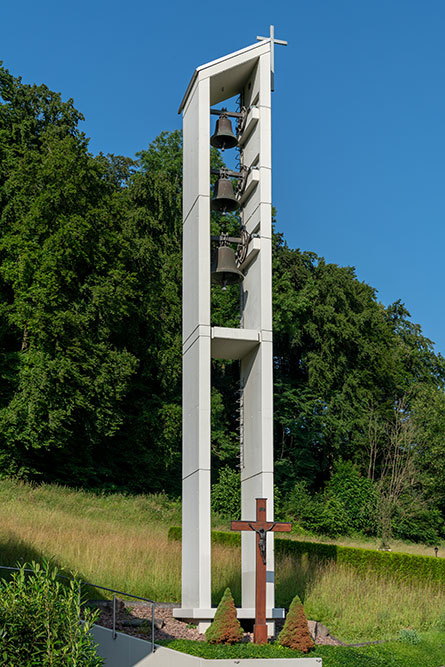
[261, 527]
[273, 41]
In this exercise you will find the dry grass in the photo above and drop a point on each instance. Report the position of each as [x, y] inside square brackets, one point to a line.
[113, 541]
[359, 607]
[121, 542]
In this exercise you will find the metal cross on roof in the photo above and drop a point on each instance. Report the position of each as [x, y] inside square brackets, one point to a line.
[273, 41]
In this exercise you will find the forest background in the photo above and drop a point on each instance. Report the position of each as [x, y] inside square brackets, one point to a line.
[90, 340]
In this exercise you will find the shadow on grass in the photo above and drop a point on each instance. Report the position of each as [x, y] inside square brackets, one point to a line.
[234, 583]
[15, 552]
[295, 575]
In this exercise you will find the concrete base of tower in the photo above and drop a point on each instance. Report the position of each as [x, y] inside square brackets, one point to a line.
[203, 617]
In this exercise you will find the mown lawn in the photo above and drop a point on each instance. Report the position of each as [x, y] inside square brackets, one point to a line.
[429, 652]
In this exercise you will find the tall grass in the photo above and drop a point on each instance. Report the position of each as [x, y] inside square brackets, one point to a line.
[115, 541]
[359, 607]
[121, 542]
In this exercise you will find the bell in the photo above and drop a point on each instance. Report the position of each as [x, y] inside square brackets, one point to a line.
[223, 136]
[224, 269]
[224, 199]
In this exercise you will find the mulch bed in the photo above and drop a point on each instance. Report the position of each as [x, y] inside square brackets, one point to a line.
[135, 619]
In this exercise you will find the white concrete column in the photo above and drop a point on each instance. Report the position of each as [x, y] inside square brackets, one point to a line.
[257, 367]
[196, 556]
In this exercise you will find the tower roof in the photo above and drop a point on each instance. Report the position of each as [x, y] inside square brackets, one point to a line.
[227, 77]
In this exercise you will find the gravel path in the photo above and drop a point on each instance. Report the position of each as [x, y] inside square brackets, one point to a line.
[135, 619]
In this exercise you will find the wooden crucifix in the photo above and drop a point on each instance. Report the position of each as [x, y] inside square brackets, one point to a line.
[261, 527]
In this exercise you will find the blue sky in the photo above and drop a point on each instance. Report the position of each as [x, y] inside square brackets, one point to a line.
[358, 113]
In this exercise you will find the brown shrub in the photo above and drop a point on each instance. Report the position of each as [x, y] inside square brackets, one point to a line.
[225, 628]
[295, 633]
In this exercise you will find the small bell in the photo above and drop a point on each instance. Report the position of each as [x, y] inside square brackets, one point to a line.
[224, 269]
[224, 199]
[223, 136]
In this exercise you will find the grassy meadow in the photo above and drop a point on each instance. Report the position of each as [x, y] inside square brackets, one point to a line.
[121, 542]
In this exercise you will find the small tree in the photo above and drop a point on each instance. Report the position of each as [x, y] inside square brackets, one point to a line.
[295, 633]
[225, 628]
[392, 465]
[40, 621]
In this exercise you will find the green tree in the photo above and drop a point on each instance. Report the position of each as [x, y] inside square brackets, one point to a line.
[428, 415]
[66, 293]
[338, 351]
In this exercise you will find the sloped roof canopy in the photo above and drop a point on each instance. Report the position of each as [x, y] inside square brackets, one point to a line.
[228, 74]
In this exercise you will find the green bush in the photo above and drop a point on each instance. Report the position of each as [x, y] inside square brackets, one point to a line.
[409, 636]
[344, 507]
[357, 495]
[298, 503]
[402, 566]
[40, 622]
[417, 524]
[333, 519]
[226, 494]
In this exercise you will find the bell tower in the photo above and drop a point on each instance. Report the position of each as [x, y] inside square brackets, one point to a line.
[248, 73]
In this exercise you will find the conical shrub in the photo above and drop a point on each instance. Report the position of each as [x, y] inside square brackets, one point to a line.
[225, 628]
[295, 633]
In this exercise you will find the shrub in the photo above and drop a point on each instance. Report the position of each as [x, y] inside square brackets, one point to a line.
[346, 505]
[399, 565]
[409, 636]
[226, 494]
[417, 523]
[357, 494]
[225, 628]
[40, 621]
[322, 513]
[295, 633]
[298, 502]
[333, 520]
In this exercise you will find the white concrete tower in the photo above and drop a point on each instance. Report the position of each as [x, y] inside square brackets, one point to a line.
[246, 72]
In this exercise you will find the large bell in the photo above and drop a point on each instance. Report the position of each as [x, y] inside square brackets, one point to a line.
[224, 199]
[224, 269]
[223, 136]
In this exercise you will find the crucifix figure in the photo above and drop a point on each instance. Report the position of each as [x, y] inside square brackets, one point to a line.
[261, 528]
[273, 41]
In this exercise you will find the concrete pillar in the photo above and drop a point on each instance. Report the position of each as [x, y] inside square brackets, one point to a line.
[196, 566]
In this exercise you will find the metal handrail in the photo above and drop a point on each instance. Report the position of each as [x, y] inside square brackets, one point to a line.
[104, 588]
